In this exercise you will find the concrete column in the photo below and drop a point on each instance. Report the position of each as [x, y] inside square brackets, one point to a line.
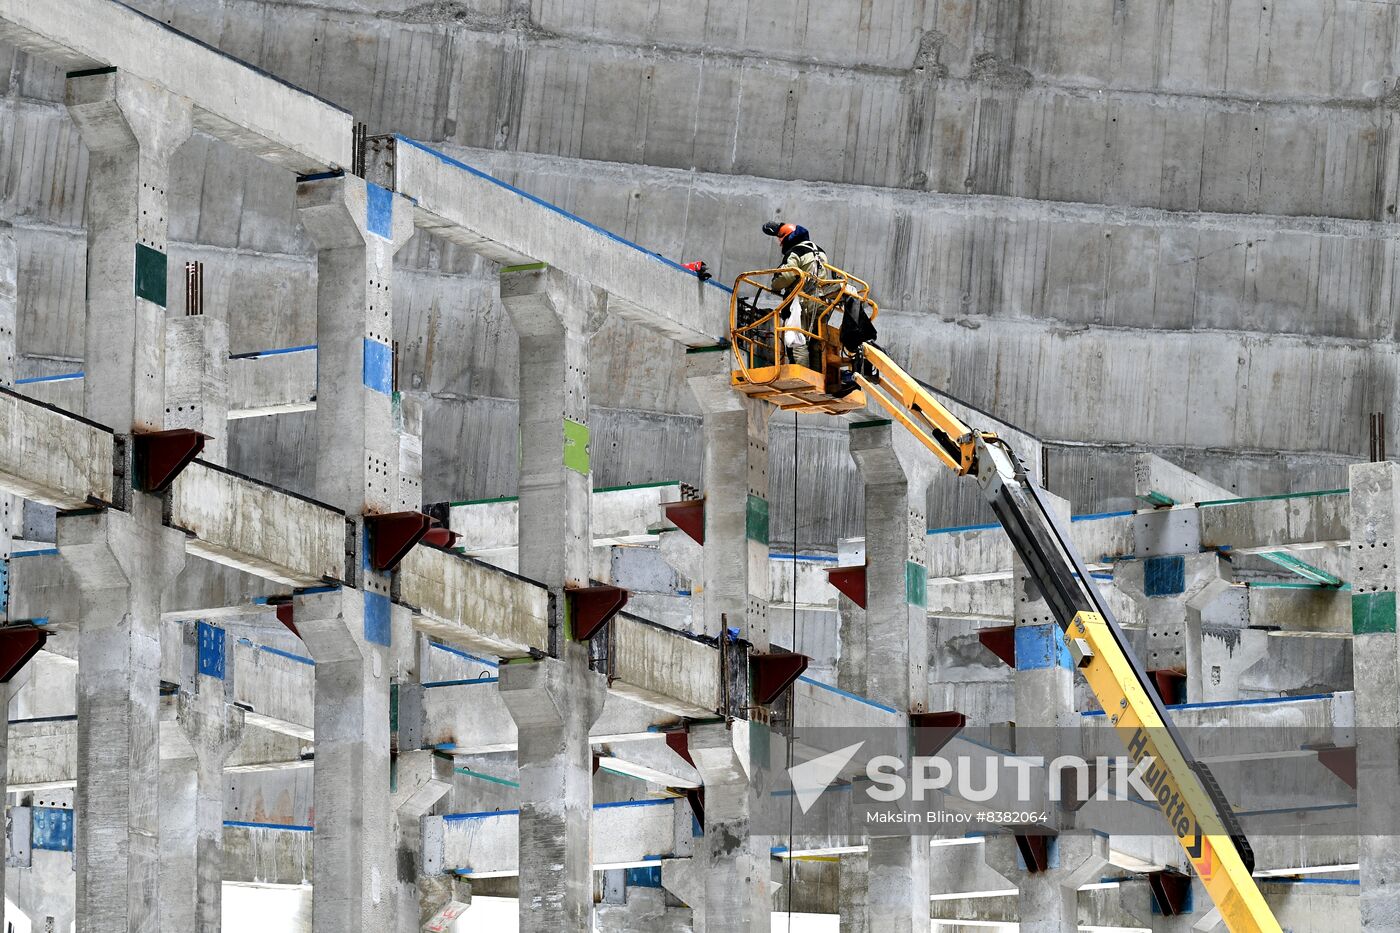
[853, 869]
[734, 576]
[196, 380]
[132, 130]
[554, 704]
[554, 701]
[735, 861]
[1375, 579]
[896, 472]
[11, 507]
[354, 870]
[357, 228]
[1048, 901]
[420, 780]
[122, 563]
[1170, 594]
[213, 728]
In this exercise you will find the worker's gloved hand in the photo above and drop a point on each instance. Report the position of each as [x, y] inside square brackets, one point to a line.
[784, 314]
[772, 227]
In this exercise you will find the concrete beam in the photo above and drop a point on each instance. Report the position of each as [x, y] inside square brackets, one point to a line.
[258, 528]
[51, 456]
[466, 603]
[663, 668]
[627, 515]
[276, 382]
[626, 834]
[233, 101]
[467, 206]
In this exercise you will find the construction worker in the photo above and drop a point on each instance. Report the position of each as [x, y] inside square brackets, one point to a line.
[800, 253]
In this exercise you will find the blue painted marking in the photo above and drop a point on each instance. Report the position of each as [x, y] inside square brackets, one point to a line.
[317, 176]
[378, 372]
[815, 558]
[448, 160]
[1218, 704]
[1354, 881]
[1041, 646]
[658, 802]
[41, 620]
[286, 827]
[460, 683]
[850, 696]
[379, 210]
[38, 552]
[948, 531]
[1164, 576]
[259, 354]
[300, 659]
[649, 877]
[211, 650]
[61, 377]
[53, 829]
[1096, 516]
[462, 654]
[377, 619]
[478, 815]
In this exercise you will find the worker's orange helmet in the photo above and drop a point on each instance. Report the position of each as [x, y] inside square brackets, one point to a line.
[786, 230]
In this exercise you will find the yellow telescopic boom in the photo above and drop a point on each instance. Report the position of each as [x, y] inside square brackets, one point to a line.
[1188, 796]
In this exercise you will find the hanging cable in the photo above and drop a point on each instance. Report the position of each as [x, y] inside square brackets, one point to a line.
[792, 691]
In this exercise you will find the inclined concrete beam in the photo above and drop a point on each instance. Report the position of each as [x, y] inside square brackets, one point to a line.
[629, 515]
[52, 457]
[625, 834]
[467, 603]
[663, 668]
[258, 528]
[469, 717]
[234, 101]
[276, 382]
[273, 687]
[509, 226]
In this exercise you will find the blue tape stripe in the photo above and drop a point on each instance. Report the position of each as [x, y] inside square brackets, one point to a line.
[487, 814]
[1096, 516]
[462, 654]
[817, 558]
[287, 827]
[1218, 704]
[447, 159]
[460, 683]
[850, 696]
[955, 528]
[258, 354]
[58, 378]
[40, 552]
[300, 659]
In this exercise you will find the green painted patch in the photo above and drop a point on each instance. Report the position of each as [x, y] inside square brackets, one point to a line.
[1287, 495]
[712, 349]
[915, 584]
[1302, 568]
[150, 274]
[756, 519]
[576, 446]
[1372, 613]
[1157, 499]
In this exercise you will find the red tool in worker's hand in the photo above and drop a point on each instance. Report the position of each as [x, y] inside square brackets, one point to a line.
[702, 271]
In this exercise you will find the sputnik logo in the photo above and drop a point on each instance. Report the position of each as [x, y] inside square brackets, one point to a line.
[811, 778]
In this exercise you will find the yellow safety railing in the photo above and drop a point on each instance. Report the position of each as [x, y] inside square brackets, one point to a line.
[761, 316]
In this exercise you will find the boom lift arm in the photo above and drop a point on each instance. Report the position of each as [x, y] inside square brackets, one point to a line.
[1189, 798]
[855, 372]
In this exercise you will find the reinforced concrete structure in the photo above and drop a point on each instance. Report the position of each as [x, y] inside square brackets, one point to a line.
[395, 548]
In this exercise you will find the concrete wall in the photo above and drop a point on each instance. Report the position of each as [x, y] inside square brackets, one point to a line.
[1162, 225]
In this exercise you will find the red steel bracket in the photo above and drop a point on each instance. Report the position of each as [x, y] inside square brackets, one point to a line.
[393, 535]
[284, 615]
[850, 581]
[1000, 641]
[161, 455]
[932, 731]
[1341, 762]
[679, 742]
[590, 607]
[1171, 890]
[689, 516]
[439, 537]
[1171, 686]
[1035, 851]
[18, 643]
[772, 673]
